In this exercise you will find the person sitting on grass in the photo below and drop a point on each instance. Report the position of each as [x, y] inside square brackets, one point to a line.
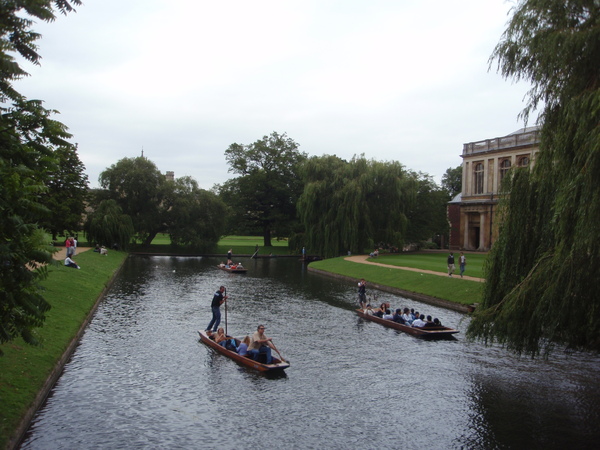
[70, 263]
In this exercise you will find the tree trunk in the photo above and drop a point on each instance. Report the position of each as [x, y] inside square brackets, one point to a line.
[267, 236]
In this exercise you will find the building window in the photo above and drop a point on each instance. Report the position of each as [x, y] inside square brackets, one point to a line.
[524, 161]
[478, 179]
[504, 168]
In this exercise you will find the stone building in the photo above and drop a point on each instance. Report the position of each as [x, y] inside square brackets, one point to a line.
[485, 163]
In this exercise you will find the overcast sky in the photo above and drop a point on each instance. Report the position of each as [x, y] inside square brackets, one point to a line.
[398, 80]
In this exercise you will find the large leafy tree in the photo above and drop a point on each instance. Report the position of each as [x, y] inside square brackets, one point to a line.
[427, 216]
[28, 138]
[544, 269]
[352, 206]
[67, 193]
[265, 193]
[195, 216]
[107, 225]
[138, 188]
[452, 181]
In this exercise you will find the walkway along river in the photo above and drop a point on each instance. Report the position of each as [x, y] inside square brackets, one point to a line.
[141, 379]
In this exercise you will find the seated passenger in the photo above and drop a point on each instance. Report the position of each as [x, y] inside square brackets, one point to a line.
[243, 348]
[220, 337]
[260, 344]
[398, 317]
[369, 311]
[437, 322]
[429, 322]
[406, 316]
[420, 322]
[239, 266]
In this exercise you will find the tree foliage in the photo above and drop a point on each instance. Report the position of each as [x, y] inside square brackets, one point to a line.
[28, 138]
[265, 193]
[67, 193]
[544, 270]
[195, 216]
[351, 206]
[452, 181]
[427, 216]
[137, 185]
[107, 225]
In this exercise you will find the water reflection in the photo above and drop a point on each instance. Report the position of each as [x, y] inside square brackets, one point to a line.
[142, 379]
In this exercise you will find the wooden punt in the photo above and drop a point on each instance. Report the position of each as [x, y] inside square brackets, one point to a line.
[426, 333]
[276, 365]
[229, 269]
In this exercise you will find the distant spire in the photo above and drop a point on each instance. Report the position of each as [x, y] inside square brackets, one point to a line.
[142, 151]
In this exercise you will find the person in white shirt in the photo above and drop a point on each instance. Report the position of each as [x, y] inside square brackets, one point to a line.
[419, 322]
[70, 263]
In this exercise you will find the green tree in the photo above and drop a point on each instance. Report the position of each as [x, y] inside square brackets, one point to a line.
[67, 192]
[28, 138]
[195, 216]
[544, 269]
[452, 181]
[137, 186]
[352, 206]
[265, 193]
[427, 217]
[107, 225]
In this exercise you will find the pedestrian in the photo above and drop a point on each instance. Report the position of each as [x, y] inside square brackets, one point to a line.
[451, 266]
[218, 299]
[462, 261]
[69, 244]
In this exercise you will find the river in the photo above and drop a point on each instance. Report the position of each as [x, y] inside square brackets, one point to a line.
[141, 379]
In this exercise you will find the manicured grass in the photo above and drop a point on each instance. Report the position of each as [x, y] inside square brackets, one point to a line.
[24, 368]
[435, 261]
[240, 245]
[453, 289]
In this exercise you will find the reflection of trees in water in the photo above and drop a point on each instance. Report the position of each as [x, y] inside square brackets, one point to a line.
[549, 409]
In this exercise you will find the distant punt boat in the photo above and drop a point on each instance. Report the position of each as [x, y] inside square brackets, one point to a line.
[229, 269]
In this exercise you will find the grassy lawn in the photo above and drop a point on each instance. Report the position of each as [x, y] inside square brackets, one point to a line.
[434, 261]
[24, 368]
[453, 289]
[240, 245]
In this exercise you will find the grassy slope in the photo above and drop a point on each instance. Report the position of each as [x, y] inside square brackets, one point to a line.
[435, 261]
[453, 289]
[24, 368]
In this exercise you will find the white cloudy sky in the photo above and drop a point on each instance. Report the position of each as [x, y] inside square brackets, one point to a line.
[401, 80]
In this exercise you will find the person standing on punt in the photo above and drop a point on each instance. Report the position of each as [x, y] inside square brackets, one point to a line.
[218, 299]
[362, 293]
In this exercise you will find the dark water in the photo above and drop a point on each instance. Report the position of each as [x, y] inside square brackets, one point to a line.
[141, 379]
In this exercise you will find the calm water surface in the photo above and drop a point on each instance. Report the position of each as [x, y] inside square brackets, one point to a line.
[141, 379]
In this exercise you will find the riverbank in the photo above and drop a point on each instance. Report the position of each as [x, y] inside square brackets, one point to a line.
[459, 294]
[28, 373]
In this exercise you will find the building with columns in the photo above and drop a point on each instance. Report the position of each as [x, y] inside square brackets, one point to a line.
[472, 214]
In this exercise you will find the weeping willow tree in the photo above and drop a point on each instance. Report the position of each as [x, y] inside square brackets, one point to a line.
[543, 273]
[351, 206]
[108, 225]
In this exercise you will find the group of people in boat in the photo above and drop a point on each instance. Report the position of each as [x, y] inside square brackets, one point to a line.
[404, 316]
[231, 265]
[251, 346]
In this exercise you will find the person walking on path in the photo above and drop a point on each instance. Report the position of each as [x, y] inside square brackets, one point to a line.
[451, 266]
[462, 261]
[218, 299]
